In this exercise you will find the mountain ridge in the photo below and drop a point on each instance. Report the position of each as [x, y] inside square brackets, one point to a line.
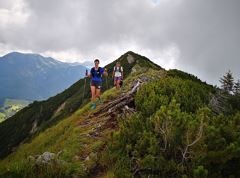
[72, 97]
[25, 76]
[161, 123]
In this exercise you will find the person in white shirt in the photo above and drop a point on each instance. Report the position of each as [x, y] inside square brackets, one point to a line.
[117, 74]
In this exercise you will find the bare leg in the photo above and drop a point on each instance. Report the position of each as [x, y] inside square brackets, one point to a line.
[98, 93]
[118, 84]
[93, 90]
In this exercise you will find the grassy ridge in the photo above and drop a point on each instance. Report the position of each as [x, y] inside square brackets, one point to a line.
[43, 114]
[67, 136]
[173, 133]
[71, 137]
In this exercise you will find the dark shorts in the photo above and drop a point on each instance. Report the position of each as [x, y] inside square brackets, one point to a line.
[96, 84]
[117, 78]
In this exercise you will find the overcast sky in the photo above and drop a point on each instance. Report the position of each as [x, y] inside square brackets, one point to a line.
[201, 37]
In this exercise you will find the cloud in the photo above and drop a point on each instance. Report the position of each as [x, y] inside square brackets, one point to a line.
[198, 36]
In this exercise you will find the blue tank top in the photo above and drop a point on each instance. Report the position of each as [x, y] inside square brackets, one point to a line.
[97, 74]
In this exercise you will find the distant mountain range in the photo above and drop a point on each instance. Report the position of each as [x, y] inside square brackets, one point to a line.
[34, 77]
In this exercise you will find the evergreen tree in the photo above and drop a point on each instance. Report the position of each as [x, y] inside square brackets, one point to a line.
[236, 88]
[227, 82]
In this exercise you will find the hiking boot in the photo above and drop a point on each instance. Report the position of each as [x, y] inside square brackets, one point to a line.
[93, 106]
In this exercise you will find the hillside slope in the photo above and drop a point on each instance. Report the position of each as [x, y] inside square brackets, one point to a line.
[79, 138]
[160, 124]
[40, 115]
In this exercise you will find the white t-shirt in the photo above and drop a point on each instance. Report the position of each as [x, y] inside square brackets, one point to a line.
[118, 72]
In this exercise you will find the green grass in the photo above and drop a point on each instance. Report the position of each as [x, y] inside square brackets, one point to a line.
[44, 112]
[2, 117]
[142, 72]
[67, 136]
[82, 154]
[62, 137]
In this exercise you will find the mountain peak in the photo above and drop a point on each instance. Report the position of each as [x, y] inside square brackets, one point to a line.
[130, 59]
[17, 54]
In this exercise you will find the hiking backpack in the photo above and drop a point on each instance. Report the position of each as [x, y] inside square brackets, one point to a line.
[98, 72]
[120, 69]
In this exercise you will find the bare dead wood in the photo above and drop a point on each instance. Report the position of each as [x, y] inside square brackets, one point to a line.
[164, 130]
[186, 154]
[120, 104]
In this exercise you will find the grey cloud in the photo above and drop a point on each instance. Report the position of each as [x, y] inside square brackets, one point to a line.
[208, 37]
[206, 32]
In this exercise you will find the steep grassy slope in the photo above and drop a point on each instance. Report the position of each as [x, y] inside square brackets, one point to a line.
[100, 143]
[159, 125]
[41, 115]
[81, 138]
[69, 136]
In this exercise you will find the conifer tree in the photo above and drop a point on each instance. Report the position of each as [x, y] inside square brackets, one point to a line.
[227, 82]
[236, 88]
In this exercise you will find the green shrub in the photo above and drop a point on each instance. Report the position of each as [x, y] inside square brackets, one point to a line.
[175, 134]
[189, 94]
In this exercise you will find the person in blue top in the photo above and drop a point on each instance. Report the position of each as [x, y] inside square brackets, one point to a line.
[96, 81]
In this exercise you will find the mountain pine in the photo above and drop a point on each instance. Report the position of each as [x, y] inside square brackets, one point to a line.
[227, 82]
[236, 88]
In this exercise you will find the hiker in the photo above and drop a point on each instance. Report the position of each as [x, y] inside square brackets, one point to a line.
[117, 75]
[96, 82]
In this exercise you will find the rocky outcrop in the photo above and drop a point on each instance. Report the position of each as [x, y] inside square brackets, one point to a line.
[45, 159]
[130, 59]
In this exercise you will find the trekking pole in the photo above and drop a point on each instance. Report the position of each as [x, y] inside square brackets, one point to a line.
[85, 80]
[106, 80]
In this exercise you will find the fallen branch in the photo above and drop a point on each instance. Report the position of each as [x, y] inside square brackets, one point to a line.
[118, 105]
[186, 153]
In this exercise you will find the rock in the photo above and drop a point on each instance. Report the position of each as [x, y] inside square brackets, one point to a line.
[145, 79]
[87, 158]
[134, 70]
[60, 108]
[45, 158]
[130, 59]
[34, 127]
